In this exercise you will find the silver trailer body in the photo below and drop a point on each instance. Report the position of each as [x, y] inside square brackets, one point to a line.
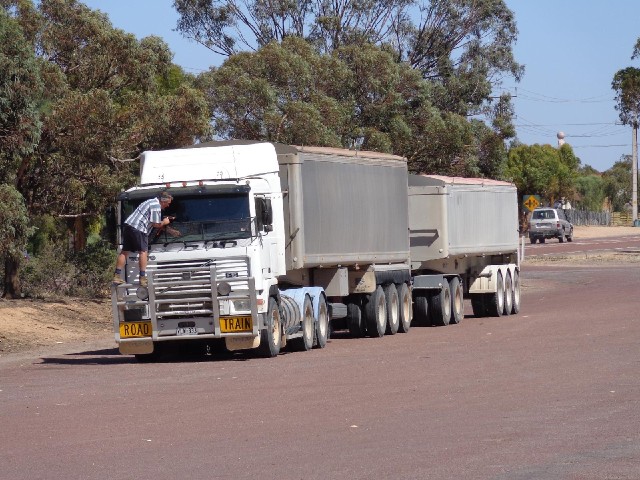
[453, 217]
[343, 208]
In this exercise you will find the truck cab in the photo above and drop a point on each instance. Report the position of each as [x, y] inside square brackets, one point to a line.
[212, 269]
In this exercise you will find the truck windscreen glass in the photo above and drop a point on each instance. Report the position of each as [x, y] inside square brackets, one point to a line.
[201, 218]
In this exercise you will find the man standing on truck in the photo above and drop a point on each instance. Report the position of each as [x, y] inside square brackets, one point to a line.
[135, 234]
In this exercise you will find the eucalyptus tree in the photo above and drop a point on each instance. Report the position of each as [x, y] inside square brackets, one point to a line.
[107, 97]
[618, 184]
[464, 46]
[543, 170]
[626, 84]
[20, 128]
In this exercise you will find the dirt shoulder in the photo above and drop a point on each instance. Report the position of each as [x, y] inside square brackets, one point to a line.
[30, 324]
[36, 324]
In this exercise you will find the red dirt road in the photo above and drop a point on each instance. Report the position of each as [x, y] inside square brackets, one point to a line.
[552, 393]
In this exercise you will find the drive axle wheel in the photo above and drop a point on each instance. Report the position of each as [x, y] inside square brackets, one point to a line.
[322, 323]
[271, 335]
[306, 341]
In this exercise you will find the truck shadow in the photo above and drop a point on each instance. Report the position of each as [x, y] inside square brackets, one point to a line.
[111, 356]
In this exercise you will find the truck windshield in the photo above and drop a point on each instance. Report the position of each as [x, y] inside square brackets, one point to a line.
[201, 218]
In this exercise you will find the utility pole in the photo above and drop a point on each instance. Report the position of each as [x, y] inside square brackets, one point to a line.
[634, 173]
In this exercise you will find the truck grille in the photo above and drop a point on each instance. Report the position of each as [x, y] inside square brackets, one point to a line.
[185, 289]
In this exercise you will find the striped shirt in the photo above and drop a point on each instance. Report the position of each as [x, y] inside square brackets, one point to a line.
[148, 212]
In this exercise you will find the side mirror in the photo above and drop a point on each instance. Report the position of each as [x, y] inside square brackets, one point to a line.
[267, 218]
[264, 215]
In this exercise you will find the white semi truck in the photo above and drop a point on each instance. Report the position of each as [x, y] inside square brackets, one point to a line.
[276, 245]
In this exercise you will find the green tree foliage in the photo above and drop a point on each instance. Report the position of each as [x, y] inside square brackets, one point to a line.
[463, 46]
[14, 223]
[14, 232]
[590, 193]
[106, 98]
[228, 27]
[20, 94]
[543, 170]
[617, 184]
[358, 96]
[626, 84]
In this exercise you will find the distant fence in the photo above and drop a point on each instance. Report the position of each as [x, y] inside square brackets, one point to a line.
[622, 219]
[583, 217]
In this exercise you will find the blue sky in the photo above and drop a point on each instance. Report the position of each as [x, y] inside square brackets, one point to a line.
[571, 50]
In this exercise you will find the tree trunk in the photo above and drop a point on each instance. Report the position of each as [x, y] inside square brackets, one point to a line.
[79, 237]
[11, 283]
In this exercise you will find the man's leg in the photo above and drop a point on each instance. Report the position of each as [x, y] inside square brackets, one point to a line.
[142, 258]
[120, 262]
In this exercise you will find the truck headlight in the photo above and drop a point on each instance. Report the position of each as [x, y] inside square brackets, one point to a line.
[243, 305]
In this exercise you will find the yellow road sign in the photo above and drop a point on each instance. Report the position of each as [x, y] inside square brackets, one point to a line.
[531, 202]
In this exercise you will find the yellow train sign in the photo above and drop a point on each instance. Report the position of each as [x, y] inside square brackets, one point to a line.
[531, 202]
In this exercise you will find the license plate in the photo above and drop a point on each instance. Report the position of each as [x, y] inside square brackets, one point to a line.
[236, 324]
[135, 329]
[186, 331]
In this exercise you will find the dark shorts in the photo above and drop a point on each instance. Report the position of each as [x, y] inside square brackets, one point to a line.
[134, 240]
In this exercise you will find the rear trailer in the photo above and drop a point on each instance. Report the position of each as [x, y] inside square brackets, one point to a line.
[464, 243]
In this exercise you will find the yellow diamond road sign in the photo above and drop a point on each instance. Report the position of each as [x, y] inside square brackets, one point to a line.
[531, 202]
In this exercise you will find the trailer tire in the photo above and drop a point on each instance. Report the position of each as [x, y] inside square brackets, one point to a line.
[271, 336]
[479, 305]
[322, 323]
[457, 301]
[393, 309]
[305, 342]
[508, 294]
[496, 300]
[376, 313]
[515, 308]
[441, 305]
[404, 299]
[354, 320]
[421, 309]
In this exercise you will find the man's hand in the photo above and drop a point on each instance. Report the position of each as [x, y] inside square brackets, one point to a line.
[172, 231]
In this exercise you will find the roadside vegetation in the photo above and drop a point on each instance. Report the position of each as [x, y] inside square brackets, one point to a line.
[81, 100]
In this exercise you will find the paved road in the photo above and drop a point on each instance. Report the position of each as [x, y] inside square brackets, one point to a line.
[552, 393]
[592, 245]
